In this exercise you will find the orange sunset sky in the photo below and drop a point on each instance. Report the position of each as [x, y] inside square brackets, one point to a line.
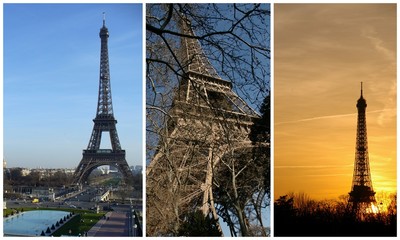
[322, 53]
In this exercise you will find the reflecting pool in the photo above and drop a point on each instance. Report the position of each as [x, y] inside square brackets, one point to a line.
[31, 223]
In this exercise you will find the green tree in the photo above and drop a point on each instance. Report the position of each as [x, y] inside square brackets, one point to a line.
[260, 131]
[197, 225]
[15, 175]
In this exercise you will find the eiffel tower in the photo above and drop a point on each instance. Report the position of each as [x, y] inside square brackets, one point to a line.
[104, 121]
[209, 123]
[362, 194]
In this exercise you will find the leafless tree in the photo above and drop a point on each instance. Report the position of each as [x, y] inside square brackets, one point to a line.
[235, 42]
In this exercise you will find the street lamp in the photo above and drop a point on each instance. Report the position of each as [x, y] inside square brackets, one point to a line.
[134, 230]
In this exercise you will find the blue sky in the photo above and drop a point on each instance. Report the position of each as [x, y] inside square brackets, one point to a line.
[51, 76]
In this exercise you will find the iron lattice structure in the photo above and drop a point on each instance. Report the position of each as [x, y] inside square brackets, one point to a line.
[362, 194]
[208, 130]
[104, 121]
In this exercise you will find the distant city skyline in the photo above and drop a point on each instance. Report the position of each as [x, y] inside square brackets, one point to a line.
[51, 77]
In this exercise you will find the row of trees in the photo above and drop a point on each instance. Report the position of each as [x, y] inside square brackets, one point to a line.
[15, 177]
[299, 215]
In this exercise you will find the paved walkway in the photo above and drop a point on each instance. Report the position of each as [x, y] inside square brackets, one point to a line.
[115, 224]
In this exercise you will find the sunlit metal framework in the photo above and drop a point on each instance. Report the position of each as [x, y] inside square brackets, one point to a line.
[362, 194]
[104, 121]
[209, 123]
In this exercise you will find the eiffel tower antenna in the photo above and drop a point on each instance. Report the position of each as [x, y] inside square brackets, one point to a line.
[361, 89]
[104, 121]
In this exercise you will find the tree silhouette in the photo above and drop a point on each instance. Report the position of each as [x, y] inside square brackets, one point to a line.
[299, 215]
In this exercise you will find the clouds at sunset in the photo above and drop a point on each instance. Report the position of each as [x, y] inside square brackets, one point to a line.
[322, 53]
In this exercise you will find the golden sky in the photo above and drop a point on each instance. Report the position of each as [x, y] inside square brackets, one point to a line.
[322, 53]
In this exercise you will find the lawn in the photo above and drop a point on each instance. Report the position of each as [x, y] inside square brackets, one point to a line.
[80, 224]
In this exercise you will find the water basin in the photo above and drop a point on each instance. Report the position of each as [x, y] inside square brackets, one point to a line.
[31, 223]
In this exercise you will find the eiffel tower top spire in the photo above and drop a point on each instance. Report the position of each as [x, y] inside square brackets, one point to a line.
[361, 103]
[104, 104]
[193, 55]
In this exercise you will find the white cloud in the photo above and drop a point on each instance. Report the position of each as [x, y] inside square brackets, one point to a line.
[370, 33]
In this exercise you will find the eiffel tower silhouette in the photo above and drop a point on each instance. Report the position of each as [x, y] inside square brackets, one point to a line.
[208, 121]
[93, 156]
[362, 194]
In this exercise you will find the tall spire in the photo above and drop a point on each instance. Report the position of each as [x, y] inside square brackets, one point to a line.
[362, 193]
[192, 53]
[196, 64]
[361, 103]
[103, 29]
[104, 106]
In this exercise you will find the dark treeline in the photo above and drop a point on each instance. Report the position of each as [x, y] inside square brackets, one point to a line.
[298, 215]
